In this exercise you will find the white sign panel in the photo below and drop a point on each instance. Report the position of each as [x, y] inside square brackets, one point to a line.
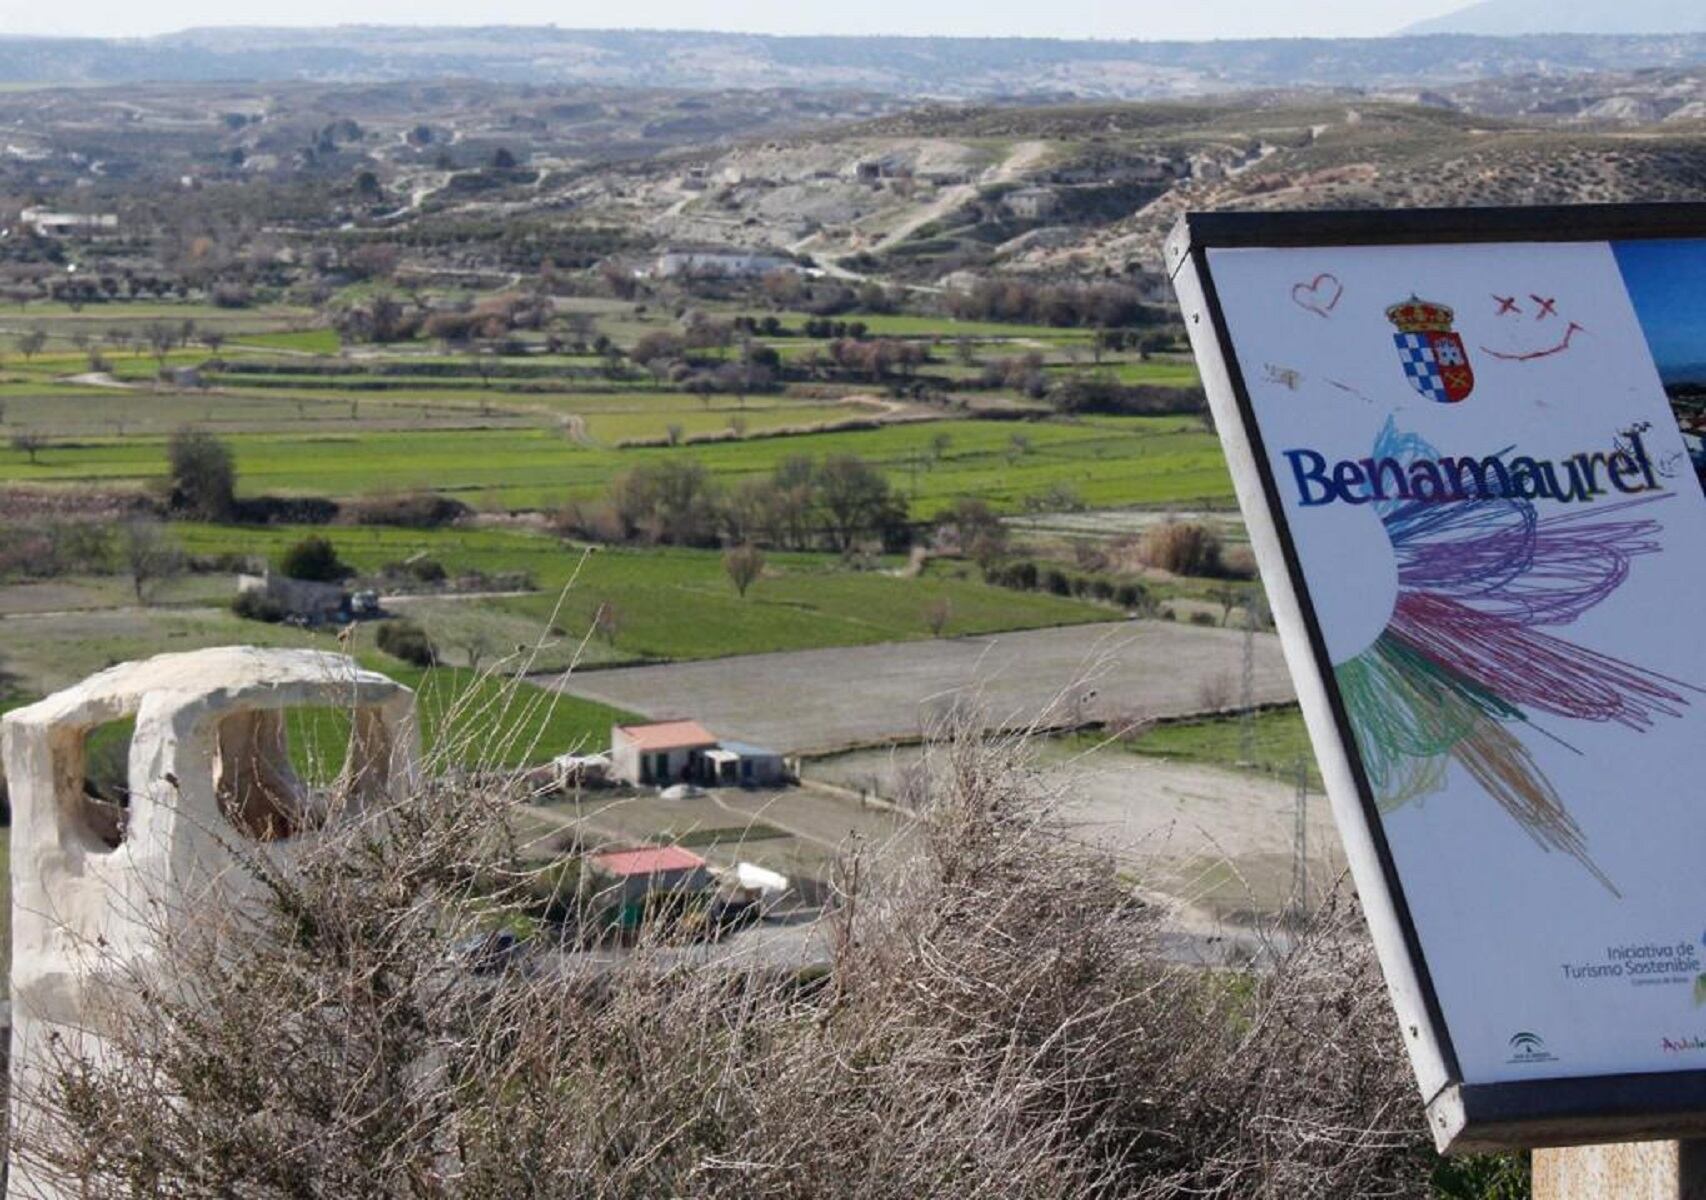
[1497, 534]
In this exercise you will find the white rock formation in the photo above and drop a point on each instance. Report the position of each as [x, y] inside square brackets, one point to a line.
[209, 769]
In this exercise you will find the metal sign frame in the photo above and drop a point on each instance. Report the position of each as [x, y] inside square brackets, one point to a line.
[1463, 1117]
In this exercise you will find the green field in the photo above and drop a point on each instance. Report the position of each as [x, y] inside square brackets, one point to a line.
[307, 415]
[907, 325]
[307, 341]
[1109, 462]
[1278, 742]
[492, 720]
[670, 603]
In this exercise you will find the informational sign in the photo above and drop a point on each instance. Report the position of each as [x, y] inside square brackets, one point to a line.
[1464, 444]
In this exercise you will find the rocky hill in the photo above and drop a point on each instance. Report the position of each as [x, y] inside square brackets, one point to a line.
[859, 184]
[923, 194]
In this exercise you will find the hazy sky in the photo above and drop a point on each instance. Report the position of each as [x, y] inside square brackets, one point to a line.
[1150, 19]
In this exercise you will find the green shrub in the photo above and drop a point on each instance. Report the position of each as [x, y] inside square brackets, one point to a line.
[258, 606]
[314, 559]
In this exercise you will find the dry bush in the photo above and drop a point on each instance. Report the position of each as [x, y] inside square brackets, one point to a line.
[410, 510]
[1238, 562]
[1182, 547]
[1216, 692]
[594, 520]
[996, 1018]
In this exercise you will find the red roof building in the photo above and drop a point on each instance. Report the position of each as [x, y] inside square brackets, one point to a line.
[662, 753]
[648, 860]
[667, 735]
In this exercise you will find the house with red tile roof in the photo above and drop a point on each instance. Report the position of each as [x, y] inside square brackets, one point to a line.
[660, 753]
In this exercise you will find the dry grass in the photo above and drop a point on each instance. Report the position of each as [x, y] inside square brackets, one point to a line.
[1182, 547]
[996, 1018]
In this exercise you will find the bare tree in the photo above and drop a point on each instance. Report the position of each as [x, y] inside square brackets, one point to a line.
[161, 337]
[1216, 692]
[937, 614]
[151, 556]
[32, 343]
[856, 499]
[476, 644]
[743, 565]
[26, 441]
[1229, 596]
[582, 330]
[606, 622]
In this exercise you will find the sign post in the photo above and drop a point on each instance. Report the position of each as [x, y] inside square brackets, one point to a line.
[1627, 1170]
[1464, 443]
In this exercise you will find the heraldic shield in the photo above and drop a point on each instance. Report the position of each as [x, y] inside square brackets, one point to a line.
[1432, 354]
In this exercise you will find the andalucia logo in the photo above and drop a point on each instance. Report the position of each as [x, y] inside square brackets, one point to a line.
[1434, 360]
[1529, 1047]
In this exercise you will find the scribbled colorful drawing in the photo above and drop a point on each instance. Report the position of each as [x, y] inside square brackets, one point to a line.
[1434, 360]
[1465, 662]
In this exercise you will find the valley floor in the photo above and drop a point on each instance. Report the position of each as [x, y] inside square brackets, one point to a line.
[820, 700]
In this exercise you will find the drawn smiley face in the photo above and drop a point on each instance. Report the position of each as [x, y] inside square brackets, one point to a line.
[1529, 327]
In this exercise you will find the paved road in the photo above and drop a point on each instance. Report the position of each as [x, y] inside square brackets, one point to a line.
[816, 700]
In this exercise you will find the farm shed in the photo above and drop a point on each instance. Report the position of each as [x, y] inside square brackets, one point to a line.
[647, 880]
[662, 753]
[568, 771]
[302, 598]
[741, 764]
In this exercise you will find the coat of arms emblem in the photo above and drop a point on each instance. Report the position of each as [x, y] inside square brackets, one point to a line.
[1434, 360]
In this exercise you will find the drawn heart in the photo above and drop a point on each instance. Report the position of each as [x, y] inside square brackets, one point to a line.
[1319, 295]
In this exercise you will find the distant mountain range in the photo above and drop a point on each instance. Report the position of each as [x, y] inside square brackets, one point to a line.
[1516, 18]
[1692, 373]
[957, 68]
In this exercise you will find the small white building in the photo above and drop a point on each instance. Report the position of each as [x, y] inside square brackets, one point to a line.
[741, 764]
[569, 771]
[661, 753]
[63, 224]
[674, 264]
[1033, 203]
